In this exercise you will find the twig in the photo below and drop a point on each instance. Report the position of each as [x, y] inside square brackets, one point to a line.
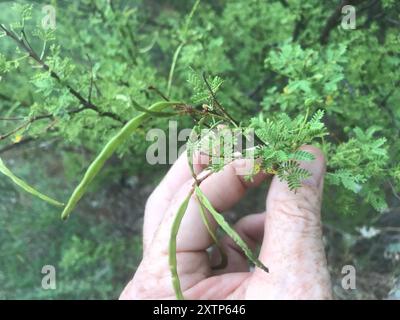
[396, 22]
[15, 130]
[12, 119]
[91, 79]
[24, 125]
[300, 25]
[14, 145]
[36, 118]
[173, 65]
[32, 54]
[158, 92]
[220, 107]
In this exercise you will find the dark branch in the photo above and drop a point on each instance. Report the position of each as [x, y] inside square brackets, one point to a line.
[34, 119]
[11, 119]
[158, 92]
[32, 54]
[15, 145]
[332, 22]
[300, 25]
[91, 79]
[334, 19]
[220, 107]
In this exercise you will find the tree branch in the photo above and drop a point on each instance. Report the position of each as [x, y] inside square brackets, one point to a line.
[300, 25]
[32, 54]
[34, 119]
[14, 145]
[332, 22]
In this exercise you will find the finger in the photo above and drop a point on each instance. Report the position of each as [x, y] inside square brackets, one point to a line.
[159, 200]
[193, 237]
[251, 230]
[292, 247]
[223, 189]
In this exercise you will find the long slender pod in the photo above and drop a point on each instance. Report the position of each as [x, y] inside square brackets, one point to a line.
[228, 229]
[171, 71]
[207, 223]
[22, 184]
[172, 247]
[184, 33]
[138, 107]
[107, 151]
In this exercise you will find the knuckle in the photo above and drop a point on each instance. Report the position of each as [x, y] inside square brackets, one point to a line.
[298, 212]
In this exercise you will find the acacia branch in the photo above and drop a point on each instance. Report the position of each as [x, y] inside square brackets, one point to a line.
[156, 90]
[32, 120]
[220, 107]
[24, 44]
[24, 125]
[14, 145]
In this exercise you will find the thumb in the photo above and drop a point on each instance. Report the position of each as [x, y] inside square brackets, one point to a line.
[292, 247]
[298, 212]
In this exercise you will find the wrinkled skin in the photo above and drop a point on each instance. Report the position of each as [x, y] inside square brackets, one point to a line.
[289, 232]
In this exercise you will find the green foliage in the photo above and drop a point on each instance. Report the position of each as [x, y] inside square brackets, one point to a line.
[108, 151]
[281, 139]
[201, 93]
[274, 56]
[360, 166]
[93, 257]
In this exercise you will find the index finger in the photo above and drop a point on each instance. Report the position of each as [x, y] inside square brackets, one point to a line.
[158, 202]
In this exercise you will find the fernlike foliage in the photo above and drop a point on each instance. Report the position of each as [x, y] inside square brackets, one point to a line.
[281, 139]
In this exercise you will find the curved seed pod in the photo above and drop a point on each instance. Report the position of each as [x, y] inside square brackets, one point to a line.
[22, 184]
[219, 218]
[224, 258]
[176, 284]
[158, 114]
[107, 151]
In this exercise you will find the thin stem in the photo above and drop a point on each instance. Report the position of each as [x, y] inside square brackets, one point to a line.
[23, 126]
[156, 90]
[222, 110]
[172, 257]
[173, 65]
[12, 119]
[181, 45]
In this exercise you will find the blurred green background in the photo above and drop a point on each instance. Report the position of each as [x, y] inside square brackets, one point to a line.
[127, 46]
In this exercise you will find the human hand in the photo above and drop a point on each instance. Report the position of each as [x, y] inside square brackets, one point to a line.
[289, 232]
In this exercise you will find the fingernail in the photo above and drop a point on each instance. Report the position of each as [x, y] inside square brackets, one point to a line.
[243, 167]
